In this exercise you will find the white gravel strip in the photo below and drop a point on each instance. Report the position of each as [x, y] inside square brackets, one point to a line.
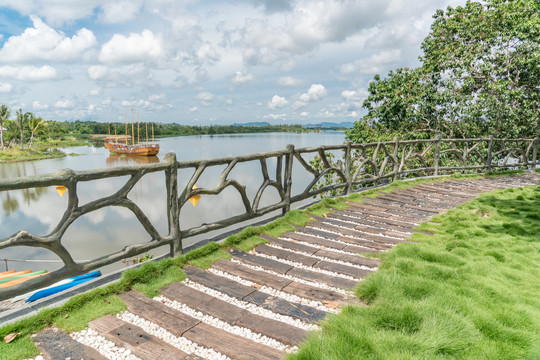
[334, 240]
[363, 267]
[181, 343]
[105, 347]
[404, 231]
[354, 236]
[295, 279]
[250, 307]
[320, 247]
[302, 266]
[220, 324]
[370, 225]
[274, 292]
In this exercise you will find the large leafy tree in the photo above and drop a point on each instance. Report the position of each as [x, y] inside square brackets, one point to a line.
[21, 120]
[480, 75]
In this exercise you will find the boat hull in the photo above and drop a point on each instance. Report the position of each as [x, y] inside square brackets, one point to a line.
[139, 150]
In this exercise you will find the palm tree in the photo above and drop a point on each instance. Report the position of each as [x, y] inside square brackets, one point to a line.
[36, 124]
[4, 114]
[21, 120]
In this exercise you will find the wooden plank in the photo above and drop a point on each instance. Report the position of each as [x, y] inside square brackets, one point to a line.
[286, 255]
[378, 219]
[354, 241]
[356, 233]
[284, 307]
[401, 217]
[55, 344]
[231, 314]
[328, 243]
[313, 240]
[288, 244]
[233, 346]
[318, 277]
[317, 232]
[353, 259]
[342, 269]
[366, 206]
[174, 321]
[256, 276]
[318, 294]
[269, 264]
[219, 283]
[141, 344]
[369, 222]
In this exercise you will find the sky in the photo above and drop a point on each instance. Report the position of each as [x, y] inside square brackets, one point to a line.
[203, 62]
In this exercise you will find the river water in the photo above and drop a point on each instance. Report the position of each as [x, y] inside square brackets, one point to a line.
[110, 229]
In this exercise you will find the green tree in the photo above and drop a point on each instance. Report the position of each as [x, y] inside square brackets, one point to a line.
[36, 124]
[479, 75]
[21, 120]
[4, 114]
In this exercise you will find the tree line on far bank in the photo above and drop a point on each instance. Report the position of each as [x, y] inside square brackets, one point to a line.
[26, 127]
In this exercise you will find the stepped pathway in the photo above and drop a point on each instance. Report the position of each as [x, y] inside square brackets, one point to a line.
[260, 304]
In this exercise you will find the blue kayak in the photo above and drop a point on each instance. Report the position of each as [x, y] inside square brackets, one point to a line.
[64, 285]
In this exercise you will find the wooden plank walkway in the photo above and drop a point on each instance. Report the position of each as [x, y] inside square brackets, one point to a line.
[261, 303]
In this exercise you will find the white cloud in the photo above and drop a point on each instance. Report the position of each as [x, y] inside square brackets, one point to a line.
[95, 92]
[5, 87]
[304, 114]
[107, 101]
[135, 48]
[315, 92]
[275, 116]
[46, 44]
[241, 78]
[205, 98]
[29, 73]
[64, 104]
[97, 72]
[277, 102]
[372, 65]
[38, 106]
[119, 11]
[193, 109]
[157, 98]
[290, 81]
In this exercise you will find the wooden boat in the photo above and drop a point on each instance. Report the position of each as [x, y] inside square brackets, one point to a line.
[131, 149]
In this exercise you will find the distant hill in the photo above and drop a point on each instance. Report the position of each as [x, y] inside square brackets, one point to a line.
[260, 123]
[331, 125]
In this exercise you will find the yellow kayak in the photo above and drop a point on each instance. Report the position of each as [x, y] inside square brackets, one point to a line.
[11, 273]
[21, 278]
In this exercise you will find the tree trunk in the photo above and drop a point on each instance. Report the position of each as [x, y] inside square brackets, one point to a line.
[1, 137]
[22, 138]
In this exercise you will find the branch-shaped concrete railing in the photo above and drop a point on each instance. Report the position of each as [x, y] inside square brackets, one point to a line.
[359, 166]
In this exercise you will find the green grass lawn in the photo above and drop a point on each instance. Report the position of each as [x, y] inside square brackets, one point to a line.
[471, 291]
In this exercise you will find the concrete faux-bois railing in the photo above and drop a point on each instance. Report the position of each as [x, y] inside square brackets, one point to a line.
[360, 166]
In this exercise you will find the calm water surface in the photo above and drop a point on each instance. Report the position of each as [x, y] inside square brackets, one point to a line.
[98, 233]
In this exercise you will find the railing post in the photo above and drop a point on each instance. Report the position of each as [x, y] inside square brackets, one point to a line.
[287, 181]
[489, 154]
[347, 169]
[535, 153]
[395, 157]
[436, 156]
[171, 182]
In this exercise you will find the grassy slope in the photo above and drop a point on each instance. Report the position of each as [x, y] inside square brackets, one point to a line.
[152, 276]
[472, 291]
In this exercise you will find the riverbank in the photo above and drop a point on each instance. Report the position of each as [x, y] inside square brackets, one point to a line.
[40, 151]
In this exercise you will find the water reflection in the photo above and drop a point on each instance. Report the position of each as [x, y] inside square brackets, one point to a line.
[39, 210]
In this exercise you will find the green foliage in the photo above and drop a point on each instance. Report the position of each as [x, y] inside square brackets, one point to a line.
[479, 75]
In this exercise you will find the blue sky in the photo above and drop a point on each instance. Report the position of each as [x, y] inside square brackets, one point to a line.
[204, 62]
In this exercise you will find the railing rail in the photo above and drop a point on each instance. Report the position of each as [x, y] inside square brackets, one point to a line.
[355, 166]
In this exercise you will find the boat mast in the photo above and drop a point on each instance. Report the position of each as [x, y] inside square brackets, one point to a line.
[138, 127]
[126, 128]
[132, 127]
[115, 138]
[108, 132]
[152, 133]
[147, 133]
